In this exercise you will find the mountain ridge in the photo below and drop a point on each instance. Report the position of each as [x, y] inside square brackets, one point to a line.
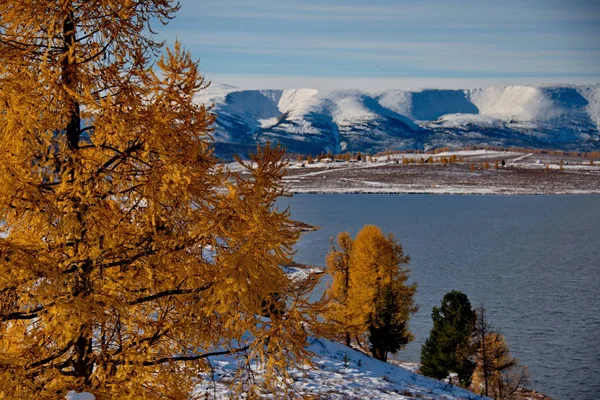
[565, 117]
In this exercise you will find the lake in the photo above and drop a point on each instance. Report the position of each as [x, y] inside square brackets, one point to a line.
[532, 261]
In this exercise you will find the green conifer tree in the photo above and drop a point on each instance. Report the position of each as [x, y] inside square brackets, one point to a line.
[448, 348]
[388, 325]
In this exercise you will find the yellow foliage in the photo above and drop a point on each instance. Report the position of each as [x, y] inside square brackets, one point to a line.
[376, 262]
[338, 267]
[497, 374]
[127, 254]
[363, 270]
[504, 375]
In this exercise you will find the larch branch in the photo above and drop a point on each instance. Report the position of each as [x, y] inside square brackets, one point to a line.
[31, 314]
[196, 357]
[172, 292]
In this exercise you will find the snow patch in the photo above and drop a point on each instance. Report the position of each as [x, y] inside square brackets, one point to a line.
[340, 372]
[73, 395]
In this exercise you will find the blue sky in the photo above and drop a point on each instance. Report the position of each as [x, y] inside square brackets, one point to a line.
[390, 44]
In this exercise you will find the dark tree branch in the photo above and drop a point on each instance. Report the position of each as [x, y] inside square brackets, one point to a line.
[130, 260]
[98, 54]
[52, 357]
[194, 358]
[87, 128]
[87, 36]
[31, 314]
[120, 154]
[172, 292]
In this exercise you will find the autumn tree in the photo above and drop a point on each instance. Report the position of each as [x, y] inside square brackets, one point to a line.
[448, 347]
[338, 267]
[128, 256]
[497, 373]
[379, 297]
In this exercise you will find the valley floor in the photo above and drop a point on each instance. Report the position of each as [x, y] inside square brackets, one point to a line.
[475, 172]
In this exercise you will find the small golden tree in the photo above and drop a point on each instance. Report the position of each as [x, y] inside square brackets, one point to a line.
[497, 373]
[127, 254]
[370, 296]
[338, 267]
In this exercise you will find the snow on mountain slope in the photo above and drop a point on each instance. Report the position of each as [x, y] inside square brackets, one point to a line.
[339, 373]
[310, 121]
[298, 102]
[592, 96]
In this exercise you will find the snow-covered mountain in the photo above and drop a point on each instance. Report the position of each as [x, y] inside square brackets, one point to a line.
[311, 121]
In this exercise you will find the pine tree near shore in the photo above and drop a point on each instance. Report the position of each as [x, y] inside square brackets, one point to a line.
[448, 347]
[127, 255]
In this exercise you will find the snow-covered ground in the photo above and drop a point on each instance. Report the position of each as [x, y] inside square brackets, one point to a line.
[474, 173]
[338, 372]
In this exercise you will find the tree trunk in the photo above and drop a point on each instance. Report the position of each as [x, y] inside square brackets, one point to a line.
[83, 361]
[69, 79]
[484, 356]
[380, 353]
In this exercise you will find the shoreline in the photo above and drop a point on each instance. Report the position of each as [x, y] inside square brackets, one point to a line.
[452, 193]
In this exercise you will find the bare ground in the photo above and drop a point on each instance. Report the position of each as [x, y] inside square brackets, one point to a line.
[521, 174]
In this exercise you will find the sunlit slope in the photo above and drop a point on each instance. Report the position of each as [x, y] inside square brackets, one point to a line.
[311, 121]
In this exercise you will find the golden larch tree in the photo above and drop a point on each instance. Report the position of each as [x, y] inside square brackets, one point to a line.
[377, 300]
[338, 267]
[497, 373]
[127, 254]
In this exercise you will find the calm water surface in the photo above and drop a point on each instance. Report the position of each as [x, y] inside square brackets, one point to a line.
[533, 261]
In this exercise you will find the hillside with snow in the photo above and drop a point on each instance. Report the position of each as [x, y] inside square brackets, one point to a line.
[338, 372]
[312, 121]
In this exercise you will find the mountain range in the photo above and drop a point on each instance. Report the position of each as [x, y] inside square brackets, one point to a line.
[311, 121]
